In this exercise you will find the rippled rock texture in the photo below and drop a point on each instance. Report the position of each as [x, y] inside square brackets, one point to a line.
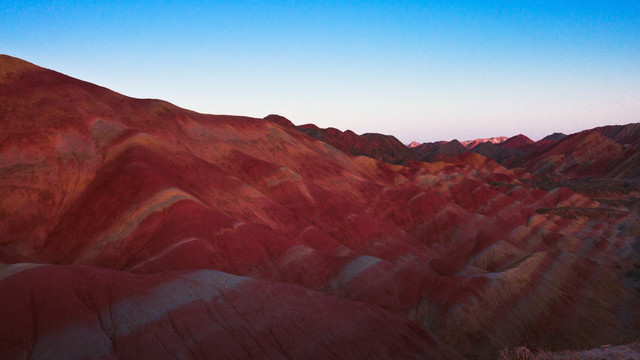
[131, 228]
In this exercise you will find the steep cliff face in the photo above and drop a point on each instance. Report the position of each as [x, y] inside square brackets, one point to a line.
[134, 228]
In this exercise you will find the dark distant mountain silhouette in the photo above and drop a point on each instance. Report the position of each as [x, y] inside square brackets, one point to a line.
[440, 150]
[555, 137]
[377, 146]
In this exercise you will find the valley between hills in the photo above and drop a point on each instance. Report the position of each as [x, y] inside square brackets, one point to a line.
[132, 228]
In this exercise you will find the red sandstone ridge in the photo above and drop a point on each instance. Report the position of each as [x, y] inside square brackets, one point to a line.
[586, 154]
[623, 134]
[376, 146]
[440, 150]
[132, 228]
[552, 156]
[516, 142]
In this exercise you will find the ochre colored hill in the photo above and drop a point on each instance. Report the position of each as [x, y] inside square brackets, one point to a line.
[131, 228]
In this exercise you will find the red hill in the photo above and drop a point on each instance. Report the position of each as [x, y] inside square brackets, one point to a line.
[131, 228]
[623, 134]
[440, 150]
[516, 142]
[376, 146]
[585, 154]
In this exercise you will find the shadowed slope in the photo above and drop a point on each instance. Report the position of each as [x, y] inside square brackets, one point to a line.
[376, 146]
[623, 134]
[440, 150]
[585, 154]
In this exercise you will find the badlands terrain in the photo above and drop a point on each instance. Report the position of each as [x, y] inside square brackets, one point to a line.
[132, 228]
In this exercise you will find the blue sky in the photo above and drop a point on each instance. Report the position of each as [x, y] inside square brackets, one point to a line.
[419, 70]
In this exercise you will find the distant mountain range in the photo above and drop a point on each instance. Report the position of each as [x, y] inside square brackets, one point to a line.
[586, 154]
[470, 144]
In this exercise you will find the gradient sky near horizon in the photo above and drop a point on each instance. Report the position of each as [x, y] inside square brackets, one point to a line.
[419, 70]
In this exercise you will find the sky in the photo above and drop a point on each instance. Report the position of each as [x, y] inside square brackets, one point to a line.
[418, 70]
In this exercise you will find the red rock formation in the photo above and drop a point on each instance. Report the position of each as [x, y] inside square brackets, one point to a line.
[134, 228]
[516, 142]
[623, 134]
[585, 154]
[441, 150]
[100, 313]
[376, 146]
[609, 152]
[470, 144]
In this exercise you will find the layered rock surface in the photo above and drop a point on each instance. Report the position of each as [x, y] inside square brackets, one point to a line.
[129, 223]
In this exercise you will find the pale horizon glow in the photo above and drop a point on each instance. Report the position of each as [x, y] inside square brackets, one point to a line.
[418, 70]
